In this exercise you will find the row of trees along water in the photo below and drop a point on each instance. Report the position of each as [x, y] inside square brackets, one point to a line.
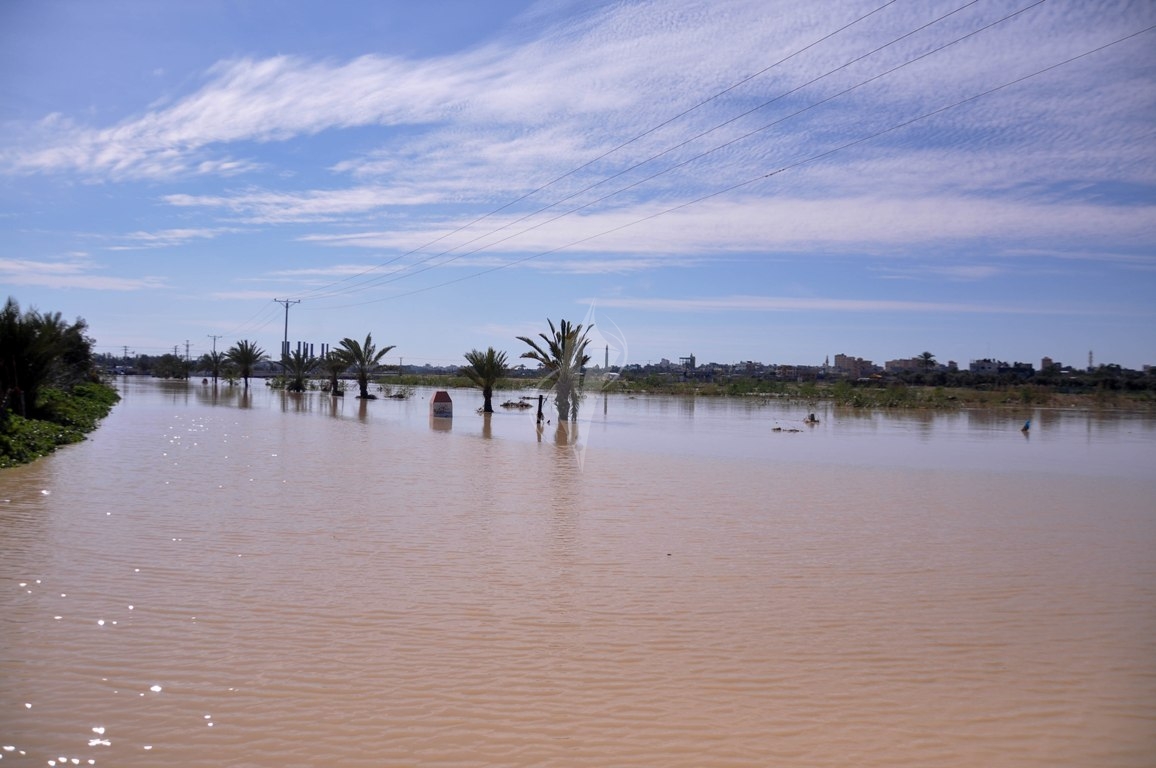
[50, 391]
[561, 355]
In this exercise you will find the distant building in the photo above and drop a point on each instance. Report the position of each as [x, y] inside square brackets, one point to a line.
[985, 366]
[853, 367]
[906, 364]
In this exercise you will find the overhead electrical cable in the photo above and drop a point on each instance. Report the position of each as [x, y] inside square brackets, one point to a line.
[321, 292]
[244, 328]
[388, 279]
[782, 169]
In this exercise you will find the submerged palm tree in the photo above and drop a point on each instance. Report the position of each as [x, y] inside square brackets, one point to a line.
[484, 370]
[213, 361]
[334, 363]
[298, 365]
[563, 357]
[364, 359]
[245, 355]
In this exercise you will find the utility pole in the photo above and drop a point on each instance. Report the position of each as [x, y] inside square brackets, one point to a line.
[214, 338]
[285, 341]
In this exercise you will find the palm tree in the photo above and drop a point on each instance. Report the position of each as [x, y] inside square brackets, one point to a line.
[335, 363]
[245, 355]
[484, 370]
[298, 365]
[927, 360]
[214, 361]
[39, 350]
[563, 357]
[364, 358]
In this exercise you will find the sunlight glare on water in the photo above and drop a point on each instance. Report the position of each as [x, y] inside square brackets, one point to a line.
[264, 579]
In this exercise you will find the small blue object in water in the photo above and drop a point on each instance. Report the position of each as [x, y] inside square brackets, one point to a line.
[1027, 425]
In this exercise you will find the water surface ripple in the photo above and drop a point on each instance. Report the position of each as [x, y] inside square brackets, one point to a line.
[271, 580]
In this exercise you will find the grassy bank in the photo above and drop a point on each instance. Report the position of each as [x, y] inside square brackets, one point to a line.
[899, 395]
[62, 417]
[848, 394]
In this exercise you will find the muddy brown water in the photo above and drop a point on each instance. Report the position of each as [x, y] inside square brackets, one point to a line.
[221, 579]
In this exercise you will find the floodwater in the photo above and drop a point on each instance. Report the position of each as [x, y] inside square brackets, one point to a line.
[220, 579]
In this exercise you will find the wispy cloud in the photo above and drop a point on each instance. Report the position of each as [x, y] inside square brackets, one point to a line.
[333, 270]
[72, 272]
[165, 238]
[534, 107]
[742, 303]
[774, 223]
[272, 207]
[950, 272]
[245, 295]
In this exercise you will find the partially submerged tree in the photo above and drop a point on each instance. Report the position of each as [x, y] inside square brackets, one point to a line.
[213, 362]
[334, 363]
[484, 370]
[364, 359]
[563, 356]
[170, 366]
[298, 366]
[245, 355]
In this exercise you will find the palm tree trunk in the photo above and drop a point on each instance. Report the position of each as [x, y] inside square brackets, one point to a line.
[562, 399]
[487, 396]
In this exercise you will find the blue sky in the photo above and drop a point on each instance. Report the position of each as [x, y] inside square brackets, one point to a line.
[764, 180]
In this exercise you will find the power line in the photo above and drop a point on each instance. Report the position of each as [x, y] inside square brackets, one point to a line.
[265, 309]
[776, 172]
[321, 292]
[387, 279]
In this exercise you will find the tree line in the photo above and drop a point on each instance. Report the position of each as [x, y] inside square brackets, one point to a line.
[50, 391]
[39, 350]
[561, 354]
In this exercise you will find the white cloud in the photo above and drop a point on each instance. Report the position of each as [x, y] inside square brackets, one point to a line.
[771, 224]
[271, 207]
[74, 272]
[245, 295]
[165, 238]
[953, 272]
[534, 107]
[813, 304]
[483, 126]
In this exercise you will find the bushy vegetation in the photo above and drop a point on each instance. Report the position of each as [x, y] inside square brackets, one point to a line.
[49, 392]
[920, 391]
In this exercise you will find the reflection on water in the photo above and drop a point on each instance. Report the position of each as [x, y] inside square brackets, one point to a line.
[263, 579]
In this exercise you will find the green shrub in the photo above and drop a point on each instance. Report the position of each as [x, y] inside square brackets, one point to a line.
[62, 418]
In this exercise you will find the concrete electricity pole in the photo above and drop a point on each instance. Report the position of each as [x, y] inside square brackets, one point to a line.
[285, 341]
